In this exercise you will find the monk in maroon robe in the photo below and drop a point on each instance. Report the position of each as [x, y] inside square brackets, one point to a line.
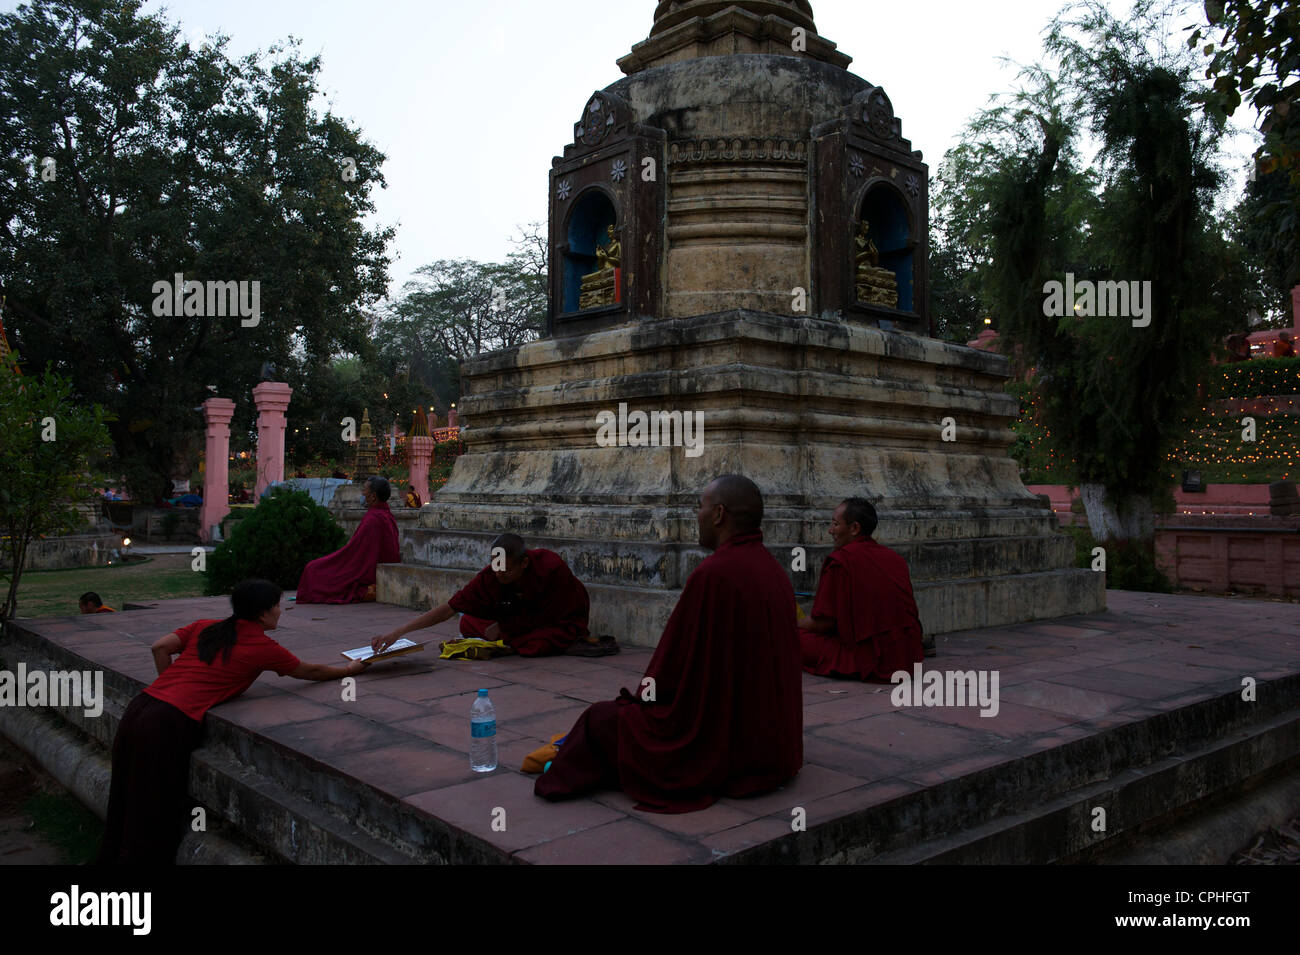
[348, 575]
[864, 622]
[720, 709]
[528, 598]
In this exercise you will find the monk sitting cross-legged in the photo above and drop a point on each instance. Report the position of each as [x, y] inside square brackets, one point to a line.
[527, 598]
[720, 710]
[864, 622]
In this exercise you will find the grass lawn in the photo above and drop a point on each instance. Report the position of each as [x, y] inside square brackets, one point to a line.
[54, 593]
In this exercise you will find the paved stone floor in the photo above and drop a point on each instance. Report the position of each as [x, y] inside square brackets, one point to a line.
[407, 733]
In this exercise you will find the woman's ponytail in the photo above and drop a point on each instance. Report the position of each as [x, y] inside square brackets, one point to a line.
[251, 599]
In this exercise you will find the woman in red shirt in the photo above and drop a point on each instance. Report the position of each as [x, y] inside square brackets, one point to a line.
[148, 801]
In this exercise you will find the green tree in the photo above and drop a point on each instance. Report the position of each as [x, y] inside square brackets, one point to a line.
[1127, 389]
[286, 530]
[1257, 61]
[1112, 395]
[164, 159]
[52, 451]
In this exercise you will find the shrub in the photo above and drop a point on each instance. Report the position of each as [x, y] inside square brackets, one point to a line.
[275, 542]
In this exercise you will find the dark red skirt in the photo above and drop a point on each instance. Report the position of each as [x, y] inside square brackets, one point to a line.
[149, 804]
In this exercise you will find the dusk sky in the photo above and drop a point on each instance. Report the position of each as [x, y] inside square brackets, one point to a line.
[471, 100]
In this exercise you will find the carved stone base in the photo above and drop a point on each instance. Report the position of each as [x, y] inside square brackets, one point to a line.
[598, 288]
[877, 287]
[813, 410]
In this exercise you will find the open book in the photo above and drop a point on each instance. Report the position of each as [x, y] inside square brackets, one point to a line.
[398, 648]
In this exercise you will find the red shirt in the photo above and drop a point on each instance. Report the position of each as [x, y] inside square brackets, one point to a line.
[193, 686]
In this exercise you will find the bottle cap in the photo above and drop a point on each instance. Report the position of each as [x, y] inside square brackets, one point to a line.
[482, 692]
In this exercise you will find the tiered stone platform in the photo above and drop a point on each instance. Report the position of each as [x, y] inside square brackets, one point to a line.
[1137, 710]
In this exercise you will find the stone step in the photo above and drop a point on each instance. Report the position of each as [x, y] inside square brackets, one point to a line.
[944, 605]
[1041, 809]
[1135, 800]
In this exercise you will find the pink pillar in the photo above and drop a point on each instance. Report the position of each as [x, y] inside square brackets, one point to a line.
[433, 421]
[419, 452]
[272, 400]
[217, 412]
[452, 417]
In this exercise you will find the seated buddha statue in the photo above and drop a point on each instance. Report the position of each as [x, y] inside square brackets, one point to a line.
[875, 286]
[600, 287]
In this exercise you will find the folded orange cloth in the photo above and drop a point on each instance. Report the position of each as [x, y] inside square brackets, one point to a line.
[536, 761]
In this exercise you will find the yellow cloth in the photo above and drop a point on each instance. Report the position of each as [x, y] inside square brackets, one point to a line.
[472, 648]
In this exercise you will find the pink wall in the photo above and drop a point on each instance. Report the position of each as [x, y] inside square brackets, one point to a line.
[1233, 558]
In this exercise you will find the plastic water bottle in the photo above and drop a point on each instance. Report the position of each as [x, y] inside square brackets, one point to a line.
[482, 734]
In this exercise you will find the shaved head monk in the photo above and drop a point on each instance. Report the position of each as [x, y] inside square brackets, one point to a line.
[720, 710]
[528, 598]
[864, 622]
[348, 575]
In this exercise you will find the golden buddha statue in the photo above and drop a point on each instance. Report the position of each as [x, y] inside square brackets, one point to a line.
[610, 255]
[600, 287]
[875, 286]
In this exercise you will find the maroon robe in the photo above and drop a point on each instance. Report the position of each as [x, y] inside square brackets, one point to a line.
[344, 576]
[541, 613]
[727, 718]
[866, 589]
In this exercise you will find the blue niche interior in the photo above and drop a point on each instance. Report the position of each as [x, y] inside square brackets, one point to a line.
[592, 214]
[891, 231]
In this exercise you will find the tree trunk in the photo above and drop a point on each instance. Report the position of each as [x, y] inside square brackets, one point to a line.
[1131, 518]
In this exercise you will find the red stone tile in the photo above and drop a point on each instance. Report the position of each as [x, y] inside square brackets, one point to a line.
[442, 681]
[336, 734]
[385, 709]
[850, 760]
[906, 739]
[830, 808]
[528, 819]
[448, 729]
[1065, 700]
[1010, 720]
[852, 706]
[405, 768]
[259, 712]
[1122, 683]
[813, 782]
[623, 842]
[751, 834]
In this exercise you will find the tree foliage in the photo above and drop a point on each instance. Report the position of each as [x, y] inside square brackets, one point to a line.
[1256, 60]
[52, 449]
[286, 530]
[165, 159]
[1015, 192]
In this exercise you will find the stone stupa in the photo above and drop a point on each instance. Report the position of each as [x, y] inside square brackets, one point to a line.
[738, 229]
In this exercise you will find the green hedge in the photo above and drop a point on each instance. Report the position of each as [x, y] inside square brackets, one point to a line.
[285, 531]
[1257, 378]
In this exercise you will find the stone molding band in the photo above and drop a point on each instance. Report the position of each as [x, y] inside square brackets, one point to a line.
[684, 152]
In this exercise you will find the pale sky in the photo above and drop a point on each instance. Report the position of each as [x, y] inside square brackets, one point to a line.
[471, 99]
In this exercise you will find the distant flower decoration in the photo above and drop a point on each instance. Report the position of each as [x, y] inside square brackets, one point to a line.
[563, 188]
[857, 167]
[619, 171]
[913, 185]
